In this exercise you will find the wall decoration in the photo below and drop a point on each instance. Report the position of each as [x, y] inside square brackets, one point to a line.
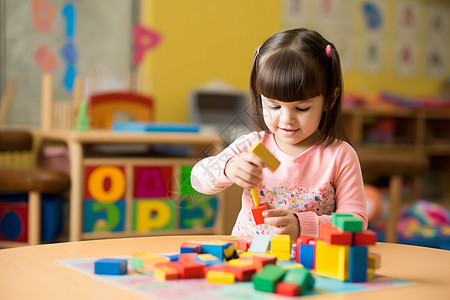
[407, 20]
[405, 56]
[373, 14]
[68, 50]
[372, 53]
[295, 13]
[45, 58]
[144, 40]
[43, 15]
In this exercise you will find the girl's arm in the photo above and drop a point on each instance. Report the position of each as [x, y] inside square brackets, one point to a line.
[208, 175]
[350, 196]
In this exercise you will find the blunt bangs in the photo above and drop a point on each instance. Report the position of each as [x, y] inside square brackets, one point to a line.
[282, 77]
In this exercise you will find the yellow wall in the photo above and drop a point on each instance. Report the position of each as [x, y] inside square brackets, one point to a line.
[202, 40]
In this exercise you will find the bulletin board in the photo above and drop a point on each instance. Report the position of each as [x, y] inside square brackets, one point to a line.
[65, 38]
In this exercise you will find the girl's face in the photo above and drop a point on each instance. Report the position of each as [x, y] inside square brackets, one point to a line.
[294, 124]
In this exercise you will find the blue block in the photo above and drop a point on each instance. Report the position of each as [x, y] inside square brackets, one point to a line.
[111, 266]
[306, 255]
[171, 256]
[358, 264]
[216, 250]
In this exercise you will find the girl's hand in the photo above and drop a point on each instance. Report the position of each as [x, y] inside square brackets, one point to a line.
[245, 170]
[283, 221]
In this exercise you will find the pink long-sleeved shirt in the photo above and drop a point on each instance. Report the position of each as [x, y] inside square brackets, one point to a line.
[312, 185]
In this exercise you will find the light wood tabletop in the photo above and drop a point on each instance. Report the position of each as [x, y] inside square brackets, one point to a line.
[32, 272]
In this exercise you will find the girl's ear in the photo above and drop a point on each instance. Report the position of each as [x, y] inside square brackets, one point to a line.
[335, 97]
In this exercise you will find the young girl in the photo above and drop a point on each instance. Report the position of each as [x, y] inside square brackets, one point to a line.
[296, 94]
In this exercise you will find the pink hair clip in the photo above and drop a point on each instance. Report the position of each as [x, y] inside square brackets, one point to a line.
[257, 51]
[328, 50]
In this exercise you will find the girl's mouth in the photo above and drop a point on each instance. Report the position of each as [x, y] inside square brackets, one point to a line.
[289, 131]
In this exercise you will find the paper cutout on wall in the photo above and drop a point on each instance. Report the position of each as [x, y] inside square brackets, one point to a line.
[43, 15]
[68, 51]
[407, 17]
[372, 14]
[405, 59]
[372, 53]
[69, 13]
[144, 40]
[103, 217]
[295, 13]
[437, 59]
[45, 58]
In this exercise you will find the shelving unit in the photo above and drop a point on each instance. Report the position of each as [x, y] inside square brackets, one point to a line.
[395, 130]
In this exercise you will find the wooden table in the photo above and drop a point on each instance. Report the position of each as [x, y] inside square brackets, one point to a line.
[76, 141]
[32, 272]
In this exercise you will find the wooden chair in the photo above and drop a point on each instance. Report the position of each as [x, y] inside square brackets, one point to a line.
[34, 181]
[396, 166]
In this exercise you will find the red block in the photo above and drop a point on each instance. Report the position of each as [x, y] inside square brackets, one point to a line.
[187, 257]
[333, 235]
[365, 238]
[241, 273]
[304, 240]
[287, 289]
[257, 213]
[190, 270]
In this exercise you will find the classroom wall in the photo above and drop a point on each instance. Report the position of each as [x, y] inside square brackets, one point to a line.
[385, 45]
[202, 41]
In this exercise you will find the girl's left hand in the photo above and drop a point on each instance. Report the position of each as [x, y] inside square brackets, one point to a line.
[283, 221]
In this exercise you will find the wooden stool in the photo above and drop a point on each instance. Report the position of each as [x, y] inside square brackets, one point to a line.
[395, 165]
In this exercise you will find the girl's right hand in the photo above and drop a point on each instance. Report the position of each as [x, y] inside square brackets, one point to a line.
[245, 170]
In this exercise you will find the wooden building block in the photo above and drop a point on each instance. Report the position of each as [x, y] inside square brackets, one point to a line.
[282, 255]
[166, 272]
[347, 222]
[260, 243]
[301, 277]
[208, 260]
[374, 261]
[333, 235]
[365, 238]
[220, 277]
[281, 243]
[111, 266]
[306, 255]
[241, 272]
[271, 161]
[358, 264]
[332, 260]
[187, 257]
[190, 270]
[259, 260]
[266, 280]
[304, 240]
[190, 248]
[257, 213]
[287, 289]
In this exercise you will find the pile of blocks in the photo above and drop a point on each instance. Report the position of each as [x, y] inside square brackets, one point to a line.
[341, 251]
[273, 264]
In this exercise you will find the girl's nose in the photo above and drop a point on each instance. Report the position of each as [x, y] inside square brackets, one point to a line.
[287, 116]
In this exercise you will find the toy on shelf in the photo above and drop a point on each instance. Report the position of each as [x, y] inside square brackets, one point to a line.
[271, 263]
[272, 163]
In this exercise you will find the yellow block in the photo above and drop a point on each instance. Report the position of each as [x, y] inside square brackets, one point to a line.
[220, 277]
[281, 243]
[332, 260]
[165, 273]
[240, 262]
[374, 261]
[282, 255]
[271, 161]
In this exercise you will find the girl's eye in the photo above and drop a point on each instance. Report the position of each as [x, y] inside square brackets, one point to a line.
[274, 107]
[302, 109]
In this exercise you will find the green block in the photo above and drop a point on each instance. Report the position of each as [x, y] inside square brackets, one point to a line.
[301, 277]
[137, 263]
[266, 279]
[347, 222]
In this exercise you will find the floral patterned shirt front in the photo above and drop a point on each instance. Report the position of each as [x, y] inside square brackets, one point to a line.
[312, 185]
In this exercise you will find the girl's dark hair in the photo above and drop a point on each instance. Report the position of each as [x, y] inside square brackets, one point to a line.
[292, 65]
